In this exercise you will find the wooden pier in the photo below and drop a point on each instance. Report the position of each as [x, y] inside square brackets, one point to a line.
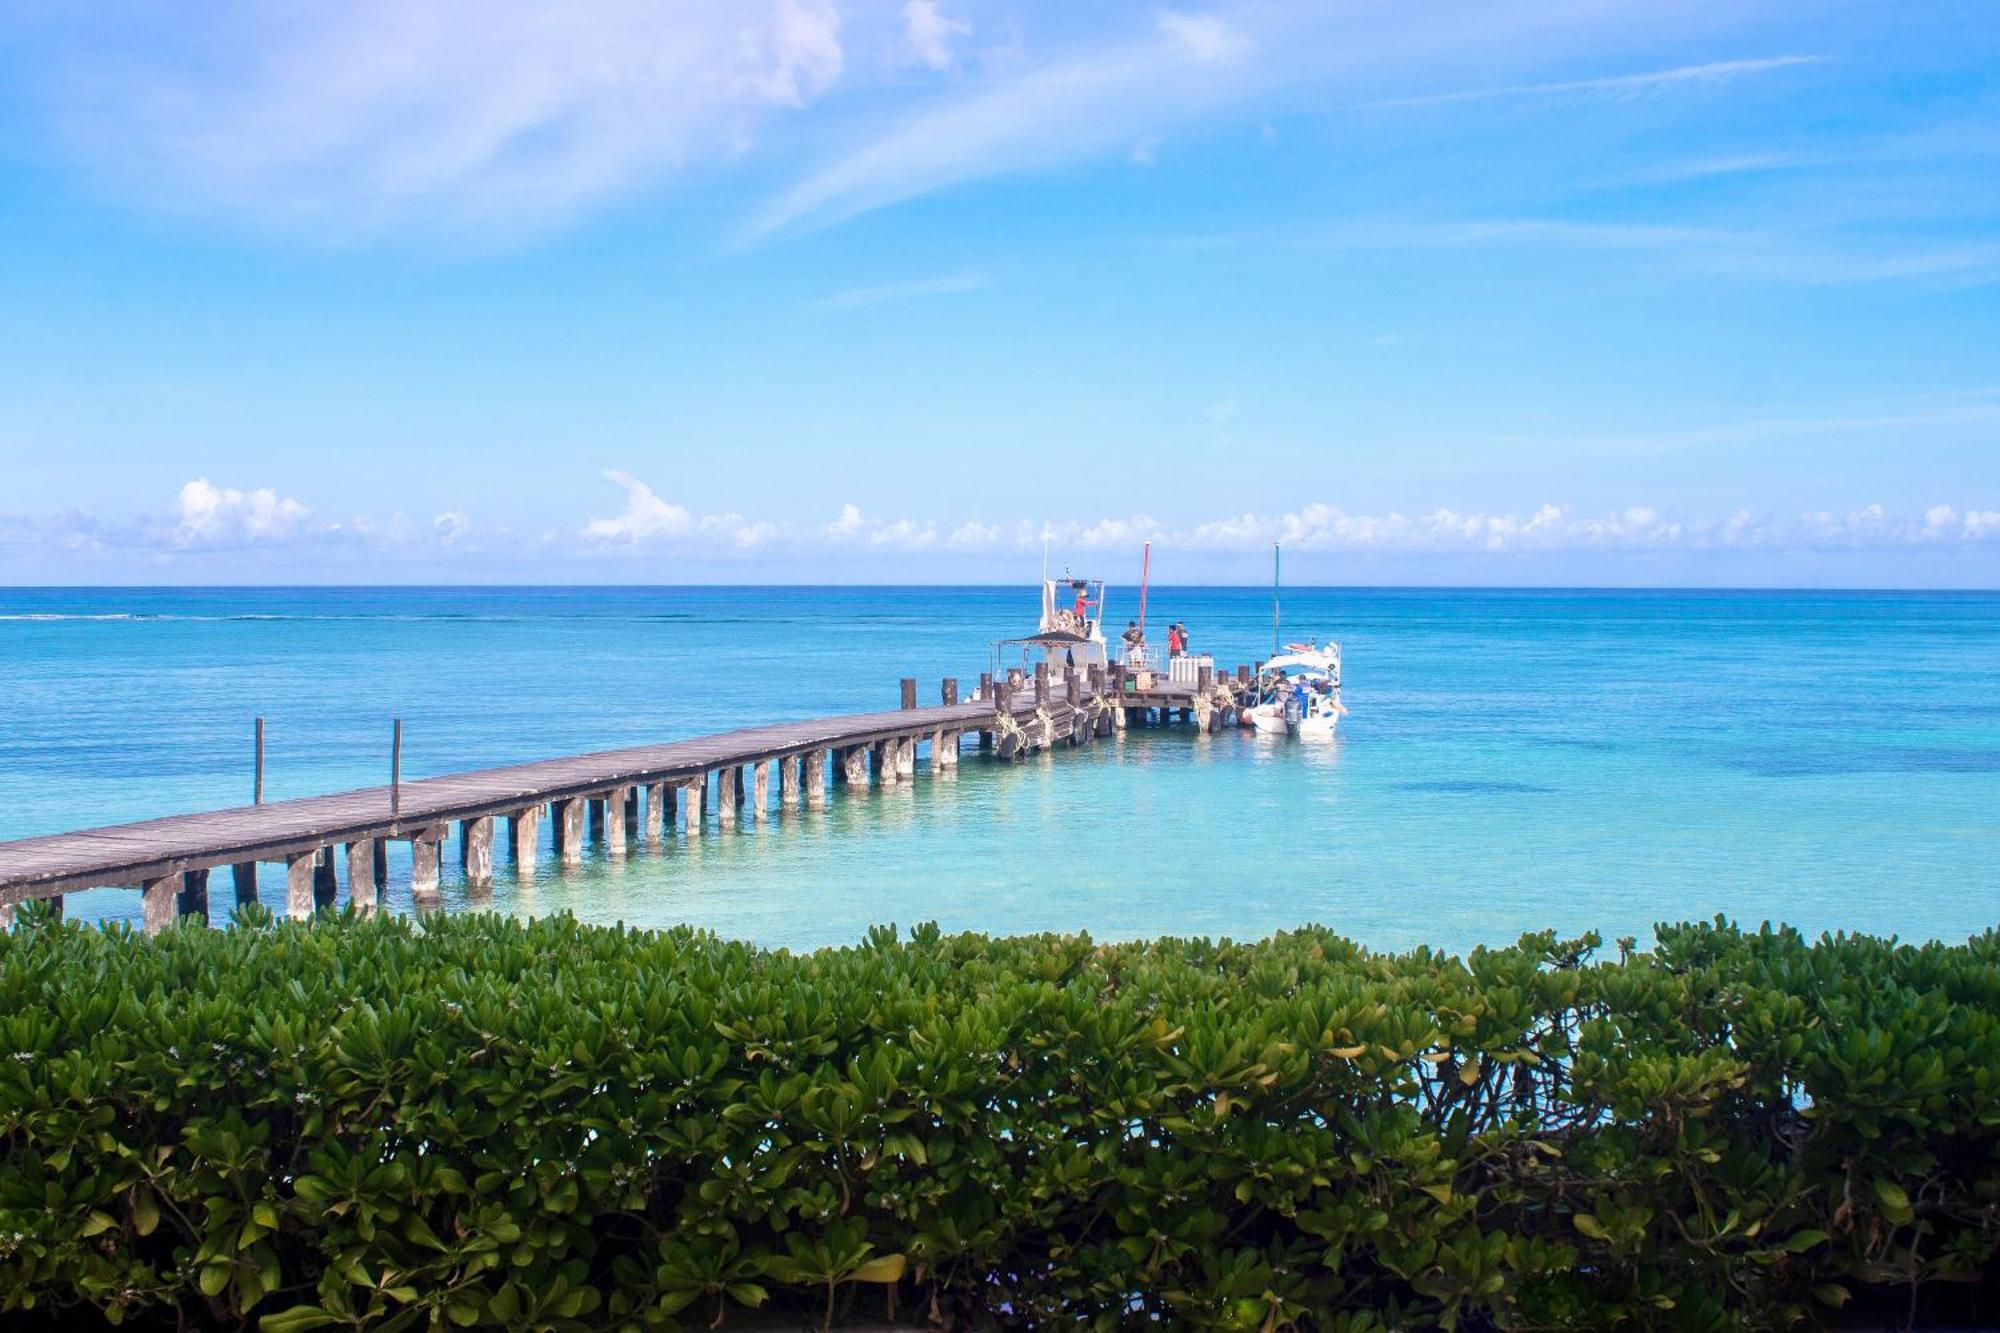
[619, 797]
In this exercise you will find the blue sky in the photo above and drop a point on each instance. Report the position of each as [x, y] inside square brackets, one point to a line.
[794, 290]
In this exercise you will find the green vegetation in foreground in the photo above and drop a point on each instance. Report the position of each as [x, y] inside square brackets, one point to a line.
[478, 1122]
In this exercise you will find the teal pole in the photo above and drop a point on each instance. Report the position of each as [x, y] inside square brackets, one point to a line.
[1276, 565]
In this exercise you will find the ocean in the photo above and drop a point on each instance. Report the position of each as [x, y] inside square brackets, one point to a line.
[1513, 759]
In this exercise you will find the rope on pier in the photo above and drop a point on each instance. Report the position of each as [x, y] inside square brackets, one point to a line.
[1005, 727]
[1048, 721]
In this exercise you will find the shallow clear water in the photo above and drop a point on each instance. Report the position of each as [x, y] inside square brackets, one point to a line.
[1513, 760]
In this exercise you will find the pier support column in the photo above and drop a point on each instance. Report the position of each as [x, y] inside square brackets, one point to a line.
[594, 807]
[424, 868]
[690, 810]
[760, 791]
[906, 759]
[162, 902]
[362, 891]
[883, 756]
[725, 795]
[569, 830]
[791, 770]
[813, 769]
[326, 880]
[244, 875]
[656, 813]
[193, 897]
[615, 808]
[299, 868]
[475, 853]
[854, 765]
[524, 833]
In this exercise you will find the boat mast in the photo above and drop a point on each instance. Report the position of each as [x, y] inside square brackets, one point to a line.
[1145, 574]
[1274, 598]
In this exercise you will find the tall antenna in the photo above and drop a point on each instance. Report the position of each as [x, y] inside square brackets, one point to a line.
[1145, 576]
[1275, 565]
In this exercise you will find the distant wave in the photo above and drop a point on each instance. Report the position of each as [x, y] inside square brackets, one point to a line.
[52, 615]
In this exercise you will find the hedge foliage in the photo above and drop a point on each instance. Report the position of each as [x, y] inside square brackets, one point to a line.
[477, 1122]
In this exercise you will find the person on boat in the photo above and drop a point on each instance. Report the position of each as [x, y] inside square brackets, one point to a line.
[1175, 643]
[1181, 625]
[1132, 636]
[1082, 605]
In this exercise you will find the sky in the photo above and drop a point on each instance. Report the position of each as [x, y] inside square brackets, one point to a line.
[1470, 292]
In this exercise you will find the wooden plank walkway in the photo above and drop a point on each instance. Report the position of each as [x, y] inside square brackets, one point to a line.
[155, 854]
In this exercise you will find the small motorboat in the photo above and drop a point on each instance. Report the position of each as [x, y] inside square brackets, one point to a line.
[1299, 693]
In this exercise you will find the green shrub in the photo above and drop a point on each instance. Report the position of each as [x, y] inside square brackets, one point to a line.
[473, 1121]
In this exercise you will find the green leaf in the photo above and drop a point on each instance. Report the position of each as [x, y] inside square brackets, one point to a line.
[1895, 1202]
[888, 1268]
[1588, 1224]
[298, 1319]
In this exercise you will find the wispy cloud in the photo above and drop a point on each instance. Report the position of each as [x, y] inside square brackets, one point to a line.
[1054, 113]
[487, 114]
[1715, 71]
[930, 33]
[853, 298]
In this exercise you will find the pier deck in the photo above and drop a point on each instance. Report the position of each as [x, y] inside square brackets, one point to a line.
[682, 782]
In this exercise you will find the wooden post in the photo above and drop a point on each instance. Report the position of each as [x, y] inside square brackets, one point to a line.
[569, 830]
[656, 813]
[614, 821]
[725, 796]
[475, 852]
[299, 885]
[815, 775]
[245, 875]
[789, 770]
[909, 692]
[1072, 687]
[760, 791]
[1041, 684]
[424, 867]
[193, 897]
[949, 691]
[161, 902]
[396, 771]
[258, 794]
[524, 832]
[986, 684]
[326, 881]
[362, 894]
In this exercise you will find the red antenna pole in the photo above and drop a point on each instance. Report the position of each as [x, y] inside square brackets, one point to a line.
[1145, 575]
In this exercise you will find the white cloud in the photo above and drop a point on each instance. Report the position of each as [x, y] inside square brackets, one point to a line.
[1715, 71]
[1206, 37]
[206, 515]
[646, 517]
[1090, 103]
[853, 298]
[490, 114]
[929, 32]
[450, 526]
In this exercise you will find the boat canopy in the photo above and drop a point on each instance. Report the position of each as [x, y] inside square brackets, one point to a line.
[1059, 638]
[1313, 661]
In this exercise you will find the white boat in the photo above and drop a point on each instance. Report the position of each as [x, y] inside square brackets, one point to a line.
[1299, 693]
[1070, 633]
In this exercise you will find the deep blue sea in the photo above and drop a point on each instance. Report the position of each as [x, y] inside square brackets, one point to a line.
[1512, 759]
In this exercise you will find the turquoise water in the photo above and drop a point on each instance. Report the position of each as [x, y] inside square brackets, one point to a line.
[1513, 759]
